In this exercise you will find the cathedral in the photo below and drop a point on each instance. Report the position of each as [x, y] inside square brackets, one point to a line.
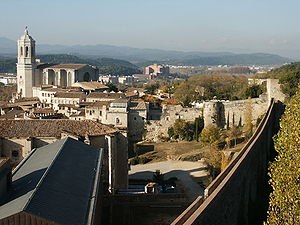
[31, 73]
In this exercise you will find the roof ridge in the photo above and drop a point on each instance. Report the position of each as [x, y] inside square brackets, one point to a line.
[44, 175]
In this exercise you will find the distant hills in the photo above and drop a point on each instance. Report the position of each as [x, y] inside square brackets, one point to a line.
[143, 57]
[106, 65]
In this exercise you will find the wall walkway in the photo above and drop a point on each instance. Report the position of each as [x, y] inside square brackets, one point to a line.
[239, 195]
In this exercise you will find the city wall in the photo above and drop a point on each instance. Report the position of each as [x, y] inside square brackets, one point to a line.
[239, 195]
[221, 113]
[158, 128]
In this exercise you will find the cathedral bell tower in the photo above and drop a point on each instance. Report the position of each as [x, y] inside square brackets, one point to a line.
[26, 65]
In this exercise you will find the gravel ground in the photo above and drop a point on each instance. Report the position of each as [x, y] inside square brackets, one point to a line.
[183, 170]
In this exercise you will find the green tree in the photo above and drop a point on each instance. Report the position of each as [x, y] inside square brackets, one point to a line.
[290, 82]
[284, 204]
[234, 133]
[210, 135]
[151, 88]
[199, 125]
[248, 125]
[253, 91]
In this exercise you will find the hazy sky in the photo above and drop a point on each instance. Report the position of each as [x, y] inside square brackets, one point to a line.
[198, 25]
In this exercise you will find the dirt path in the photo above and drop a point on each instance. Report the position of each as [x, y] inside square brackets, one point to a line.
[183, 170]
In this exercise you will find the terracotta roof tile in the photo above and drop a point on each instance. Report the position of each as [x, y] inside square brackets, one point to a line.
[92, 85]
[140, 105]
[67, 66]
[52, 128]
[69, 95]
[106, 95]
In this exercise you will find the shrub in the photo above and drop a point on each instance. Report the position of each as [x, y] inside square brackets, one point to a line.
[284, 204]
[210, 135]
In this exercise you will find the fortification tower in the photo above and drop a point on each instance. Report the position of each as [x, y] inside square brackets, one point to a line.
[26, 65]
[211, 113]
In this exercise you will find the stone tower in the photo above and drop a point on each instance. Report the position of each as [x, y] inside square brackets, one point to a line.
[26, 65]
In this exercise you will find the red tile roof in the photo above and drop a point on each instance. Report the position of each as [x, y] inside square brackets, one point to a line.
[67, 66]
[52, 128]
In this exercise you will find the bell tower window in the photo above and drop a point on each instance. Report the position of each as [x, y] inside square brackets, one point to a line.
[21, 51]
[26, 51]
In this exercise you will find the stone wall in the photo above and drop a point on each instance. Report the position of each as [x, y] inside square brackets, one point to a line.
[216, 112]
[156, 128]
[239, 195]
[229, 113]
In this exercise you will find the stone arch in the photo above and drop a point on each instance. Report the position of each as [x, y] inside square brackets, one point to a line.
[63, 78]
[86, 76]
[51, 77]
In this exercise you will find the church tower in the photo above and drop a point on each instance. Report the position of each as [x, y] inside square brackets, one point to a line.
[26, 65]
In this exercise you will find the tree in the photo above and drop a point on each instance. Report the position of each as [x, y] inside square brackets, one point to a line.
[186, 130]
[284, 202]
[234, 133]
[290, 82]
[210, 135]
[253, 91]
[201, 87]
[248, 126]
[151, 88]
[199, 125]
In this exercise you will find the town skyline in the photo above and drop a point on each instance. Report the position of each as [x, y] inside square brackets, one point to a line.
[247, 27]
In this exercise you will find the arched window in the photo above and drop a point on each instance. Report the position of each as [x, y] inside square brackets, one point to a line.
[26, 51]
[21, 50]
[86, 76]
[32, 52]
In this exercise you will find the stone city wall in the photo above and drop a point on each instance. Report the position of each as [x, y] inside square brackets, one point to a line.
[157, 128]
[239, 195]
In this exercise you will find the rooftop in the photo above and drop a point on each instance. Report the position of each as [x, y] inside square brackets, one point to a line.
[71, 94]
[138, 105]
[54, 178]
[106, 95]
[52, 128]
[67, 66]
[92, 85]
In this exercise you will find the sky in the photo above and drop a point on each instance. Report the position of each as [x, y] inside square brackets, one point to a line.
[241, 26]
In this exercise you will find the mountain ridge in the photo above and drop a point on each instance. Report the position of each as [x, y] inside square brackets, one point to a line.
[142, 56]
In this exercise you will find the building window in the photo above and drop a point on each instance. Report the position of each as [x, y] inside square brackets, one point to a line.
[134, 118]
[117, 120]
[21, 51]
[15, 153]
[100, 113]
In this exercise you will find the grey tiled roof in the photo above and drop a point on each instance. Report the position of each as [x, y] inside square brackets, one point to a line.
[56, 182]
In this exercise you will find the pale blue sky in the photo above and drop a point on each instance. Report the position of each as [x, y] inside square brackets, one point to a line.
[200, 25]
